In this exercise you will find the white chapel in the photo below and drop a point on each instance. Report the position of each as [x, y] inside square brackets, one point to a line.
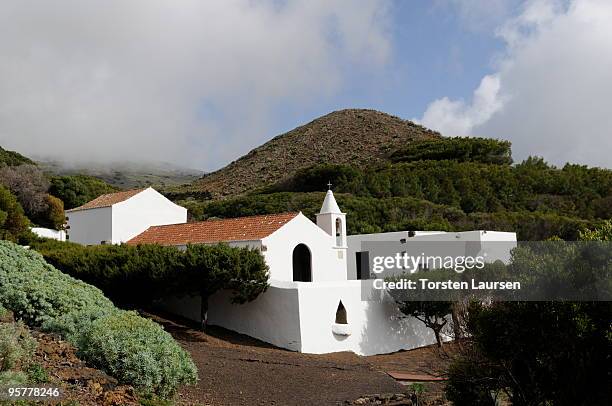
[318, 299]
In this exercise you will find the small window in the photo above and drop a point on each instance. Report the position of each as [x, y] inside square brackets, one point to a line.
[341, 314]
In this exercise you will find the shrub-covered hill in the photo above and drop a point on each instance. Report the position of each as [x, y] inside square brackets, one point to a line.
[12, 158]
[128, 347]
[446, 184]
[358, 137]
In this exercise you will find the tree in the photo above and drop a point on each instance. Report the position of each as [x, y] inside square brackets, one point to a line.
[53, 216]
[136, 276]
[75, 190]
[29, 184]
[432, 314]
[13, 222]
[542, 353]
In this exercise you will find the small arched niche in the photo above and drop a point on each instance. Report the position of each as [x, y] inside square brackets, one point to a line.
[341, 328]
[341, 314]
[339, 241]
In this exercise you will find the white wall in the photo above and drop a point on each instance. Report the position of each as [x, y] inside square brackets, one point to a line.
[375, 327]
[273, 317]
[300, 315]
[59, 235]
[91, 226]
[496, 245]
[327, 263]
[354, 245]
[148, 208]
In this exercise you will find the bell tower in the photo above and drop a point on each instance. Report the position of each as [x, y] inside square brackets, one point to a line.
[332, 220]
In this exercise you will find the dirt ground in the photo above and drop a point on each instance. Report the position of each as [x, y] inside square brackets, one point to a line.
[238, 370]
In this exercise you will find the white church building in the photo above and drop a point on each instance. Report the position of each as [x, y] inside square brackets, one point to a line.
[315, 301]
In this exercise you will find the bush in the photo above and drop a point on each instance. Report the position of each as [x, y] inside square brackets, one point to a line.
[16, 345]
[44, 297]
[460, 149]
[130, 348]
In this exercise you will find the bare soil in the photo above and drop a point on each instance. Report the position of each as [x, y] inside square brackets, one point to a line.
[235, 369]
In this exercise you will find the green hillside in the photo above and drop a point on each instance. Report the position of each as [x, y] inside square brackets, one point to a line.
[12, 158]
[441, 184]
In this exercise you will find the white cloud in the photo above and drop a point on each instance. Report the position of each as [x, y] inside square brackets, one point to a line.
[191, 81]
[555, 86]
[458, 118]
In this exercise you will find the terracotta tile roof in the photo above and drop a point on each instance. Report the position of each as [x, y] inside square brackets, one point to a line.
[108, 200]
[214, 231]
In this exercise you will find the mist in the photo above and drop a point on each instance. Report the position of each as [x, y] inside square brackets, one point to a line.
[191, 83]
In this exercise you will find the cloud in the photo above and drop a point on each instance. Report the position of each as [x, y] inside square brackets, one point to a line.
[456, 117]
[191, 82]
[554, 84]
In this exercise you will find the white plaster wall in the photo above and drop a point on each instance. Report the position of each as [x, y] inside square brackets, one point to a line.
[327, 264]
[497, 245]
[90, 227]
[59, 235]
[148, 208]
[354, 245]
[273, 317]
[376, 327]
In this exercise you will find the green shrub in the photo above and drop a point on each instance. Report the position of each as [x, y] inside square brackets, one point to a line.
[462, 149]
[130, 348]
[38, 293]
[45, 297]
[37, 374]
[16, 345]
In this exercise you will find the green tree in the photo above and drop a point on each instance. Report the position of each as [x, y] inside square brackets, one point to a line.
[13, 222]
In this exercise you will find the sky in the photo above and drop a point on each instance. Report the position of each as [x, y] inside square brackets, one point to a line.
[198, 84]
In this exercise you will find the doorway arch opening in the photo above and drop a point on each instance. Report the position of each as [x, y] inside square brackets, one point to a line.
[302, 264]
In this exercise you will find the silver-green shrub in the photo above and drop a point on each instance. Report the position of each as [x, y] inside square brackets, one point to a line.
[16, 349]
[131, 348]
[135, 350]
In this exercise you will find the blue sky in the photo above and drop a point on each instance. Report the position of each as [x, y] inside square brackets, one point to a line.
[199, 84]
[435, 54]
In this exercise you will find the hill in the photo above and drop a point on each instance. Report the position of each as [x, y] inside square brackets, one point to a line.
[127, 175]
[12, 158]
[355, 136]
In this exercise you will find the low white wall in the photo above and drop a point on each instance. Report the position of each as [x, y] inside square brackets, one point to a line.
[59, 235]
[299, 316]
[376, 327]
[273, 317]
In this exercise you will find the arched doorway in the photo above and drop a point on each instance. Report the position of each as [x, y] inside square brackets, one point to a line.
[302, 264]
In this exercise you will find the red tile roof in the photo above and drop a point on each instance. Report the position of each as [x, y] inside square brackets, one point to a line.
[214, 231]
[108, 200]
